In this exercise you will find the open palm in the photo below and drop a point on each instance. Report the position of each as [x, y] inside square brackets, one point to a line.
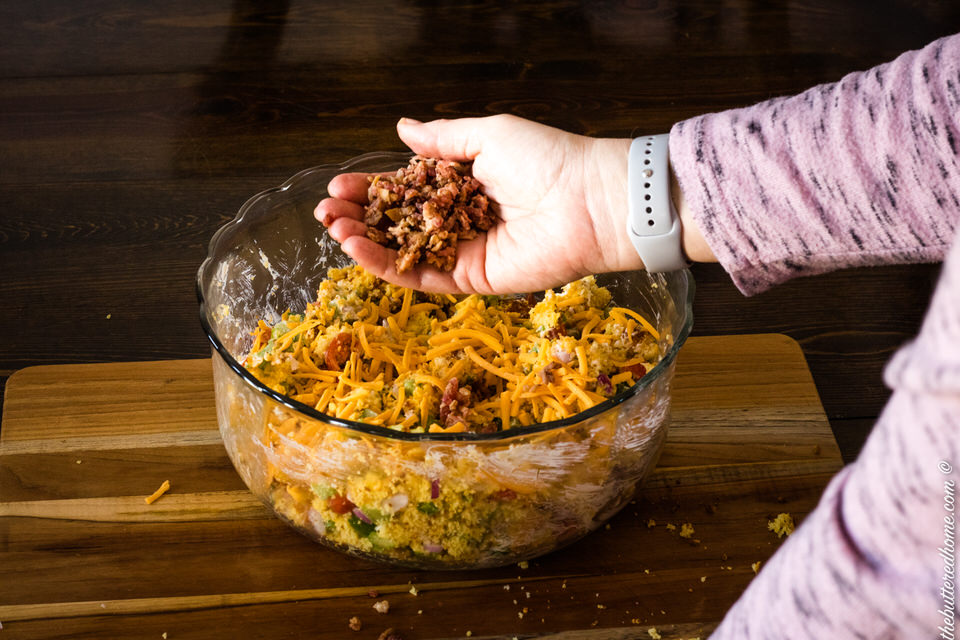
[560, 198]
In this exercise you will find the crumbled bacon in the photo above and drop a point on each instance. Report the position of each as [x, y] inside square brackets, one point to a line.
[491, 427]
[455, 403]
[425, 209]
[546, 374]
[555, 332]
[521, 305]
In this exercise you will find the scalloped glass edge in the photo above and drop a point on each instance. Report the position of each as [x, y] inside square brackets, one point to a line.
[355, 164]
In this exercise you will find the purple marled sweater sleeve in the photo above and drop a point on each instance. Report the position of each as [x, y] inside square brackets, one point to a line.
[864, 171]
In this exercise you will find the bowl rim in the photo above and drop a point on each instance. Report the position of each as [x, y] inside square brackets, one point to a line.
[364, 428]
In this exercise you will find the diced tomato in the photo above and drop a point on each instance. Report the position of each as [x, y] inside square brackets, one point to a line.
[338, 352]
[339, 504]
[638, 370]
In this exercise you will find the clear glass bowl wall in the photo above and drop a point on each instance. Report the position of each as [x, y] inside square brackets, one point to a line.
[448, 501]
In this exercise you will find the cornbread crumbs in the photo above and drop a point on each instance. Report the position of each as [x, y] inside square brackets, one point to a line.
[651, 523]
[523, 564]
[469, 633]
[782, 525]
[755, 566]
[671, 527]
[703, 578]
[381, 606]
[414, 590]
[686, 530]
[355, 624]
[654, 633]
[416, 363]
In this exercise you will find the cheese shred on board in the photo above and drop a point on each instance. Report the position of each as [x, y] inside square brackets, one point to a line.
[159, 492]
[373, 352]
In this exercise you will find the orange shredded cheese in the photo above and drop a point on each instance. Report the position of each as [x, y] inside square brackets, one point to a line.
[406, 348]
[153, 497]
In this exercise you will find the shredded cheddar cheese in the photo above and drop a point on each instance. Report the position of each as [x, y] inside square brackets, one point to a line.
[370, 351]
[153, 497]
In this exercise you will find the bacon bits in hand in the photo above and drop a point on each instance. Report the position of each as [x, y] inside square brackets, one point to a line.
[424, 209]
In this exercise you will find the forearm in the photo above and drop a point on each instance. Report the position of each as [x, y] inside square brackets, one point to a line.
[863, 171]
[867, 562]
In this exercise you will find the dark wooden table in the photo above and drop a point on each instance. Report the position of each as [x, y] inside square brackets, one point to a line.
[129, 132]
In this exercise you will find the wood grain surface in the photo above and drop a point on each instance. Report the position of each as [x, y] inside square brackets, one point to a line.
[129, 132]
[83, 556]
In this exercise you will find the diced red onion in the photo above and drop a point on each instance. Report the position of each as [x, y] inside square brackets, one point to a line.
[604, 382]
[431, 547]
[361, 515]
[434, 489]
[395, 502]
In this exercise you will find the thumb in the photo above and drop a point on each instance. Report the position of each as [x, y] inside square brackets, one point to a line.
[449, 139]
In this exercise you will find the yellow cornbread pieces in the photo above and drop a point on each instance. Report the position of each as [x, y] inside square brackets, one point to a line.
[370, 351]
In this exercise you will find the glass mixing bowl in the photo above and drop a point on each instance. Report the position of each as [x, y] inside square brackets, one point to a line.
[426, 500]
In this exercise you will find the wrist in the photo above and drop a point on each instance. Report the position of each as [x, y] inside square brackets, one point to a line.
[694, 245]
[653, 225]
[607, 202]
[608, 205]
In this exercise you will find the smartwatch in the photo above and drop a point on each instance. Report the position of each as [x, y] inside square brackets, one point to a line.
[653, 224]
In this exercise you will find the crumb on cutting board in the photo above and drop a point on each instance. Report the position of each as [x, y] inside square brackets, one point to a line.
[782, 525]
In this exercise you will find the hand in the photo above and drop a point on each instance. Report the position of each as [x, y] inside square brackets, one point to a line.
[561, 198]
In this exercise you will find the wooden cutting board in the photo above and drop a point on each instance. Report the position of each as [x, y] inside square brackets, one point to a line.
[82, 555]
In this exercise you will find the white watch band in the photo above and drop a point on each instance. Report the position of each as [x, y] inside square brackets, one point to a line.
[653, 224]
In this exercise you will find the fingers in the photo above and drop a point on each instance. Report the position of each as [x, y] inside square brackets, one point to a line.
[349, 186]
[451, 139]
[332, 209]
[343, 228]
[381, 262]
